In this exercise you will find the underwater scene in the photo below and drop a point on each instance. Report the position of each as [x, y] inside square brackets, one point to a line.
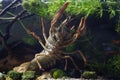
[59, 39]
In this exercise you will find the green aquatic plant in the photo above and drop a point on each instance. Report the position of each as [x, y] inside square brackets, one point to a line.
[58, 73]
[29, 40]
[28, 75]
[14, 75]
[114, 66]
[35, 6]
[89, 75]
[113, 8]
[76, 7]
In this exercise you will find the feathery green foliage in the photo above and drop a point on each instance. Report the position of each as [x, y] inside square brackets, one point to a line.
[35, 6]
[76, 7]
[113, 8]
[89, 75]
[14, 75]
[114, 65]
[58, 73]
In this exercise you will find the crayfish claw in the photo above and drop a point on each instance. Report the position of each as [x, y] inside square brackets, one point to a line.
[82, 27]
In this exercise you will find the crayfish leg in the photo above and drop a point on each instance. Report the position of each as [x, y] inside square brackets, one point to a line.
[73, 62]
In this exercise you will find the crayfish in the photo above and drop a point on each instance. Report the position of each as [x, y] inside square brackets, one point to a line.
[59, 38]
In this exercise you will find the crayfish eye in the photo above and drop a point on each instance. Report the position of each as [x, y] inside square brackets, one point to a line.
[56, 38]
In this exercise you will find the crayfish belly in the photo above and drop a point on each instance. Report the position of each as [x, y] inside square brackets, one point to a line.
[45, 62]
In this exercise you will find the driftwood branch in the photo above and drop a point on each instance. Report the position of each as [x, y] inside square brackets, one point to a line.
[5, 37]
[8, 7]
[21, 15]
[21, 18]
[9, 26]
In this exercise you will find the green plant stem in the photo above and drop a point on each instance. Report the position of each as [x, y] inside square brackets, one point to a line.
[7, 18]
[23, 25]
[10, 13]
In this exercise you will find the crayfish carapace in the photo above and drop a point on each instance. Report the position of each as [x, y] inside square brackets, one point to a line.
[59, 38]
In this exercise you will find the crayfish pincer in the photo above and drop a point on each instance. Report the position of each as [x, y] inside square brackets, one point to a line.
[60, 37]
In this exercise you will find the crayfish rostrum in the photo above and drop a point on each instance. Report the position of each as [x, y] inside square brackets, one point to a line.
[59, 38]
